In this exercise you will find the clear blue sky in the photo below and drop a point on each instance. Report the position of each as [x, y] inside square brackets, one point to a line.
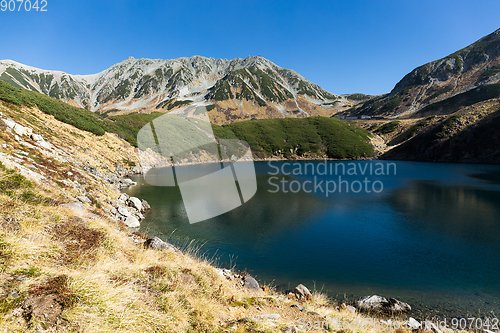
[345, 46]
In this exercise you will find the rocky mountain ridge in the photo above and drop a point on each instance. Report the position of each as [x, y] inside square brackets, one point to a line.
[474, 66]
[235, 89]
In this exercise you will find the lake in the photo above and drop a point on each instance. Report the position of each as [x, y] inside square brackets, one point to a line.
[424, 233]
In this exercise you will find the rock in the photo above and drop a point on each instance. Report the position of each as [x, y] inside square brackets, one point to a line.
[250, 283]
[75, 206]
[156, 243]
[123, 211]
[132, 222]
[36, 137]
[261, 317]
[428, 325]
[84, 199]
[291, 329]
[93, 216]
[9, 122]
[123, 197]
[382, 305]
[145, 206]
[300, 307]
[45, 308]
[301, 293]
[413, 324]
[111, 179]
[125, 183]
[135, 202]
[138, 216]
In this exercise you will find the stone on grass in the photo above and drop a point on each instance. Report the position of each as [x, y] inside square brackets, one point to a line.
[132, 222]
[380, 304]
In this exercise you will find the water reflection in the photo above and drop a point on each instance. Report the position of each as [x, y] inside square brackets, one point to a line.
[459, 211]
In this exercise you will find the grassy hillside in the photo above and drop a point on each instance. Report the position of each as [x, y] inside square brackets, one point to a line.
[63, 270]
[312, 137]
[306, 137]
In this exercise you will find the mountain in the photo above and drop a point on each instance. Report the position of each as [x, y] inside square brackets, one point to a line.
[474, 66]
[236, 89]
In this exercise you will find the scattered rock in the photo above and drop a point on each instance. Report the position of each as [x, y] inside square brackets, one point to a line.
[44, 308]
[382, 305]
[300, 293]
[92, 216]
[261, 317]
[135, 202]
[350, 308]
[300, 307]
[156, 243]
[75, 206]
[123, 197]
[125, 183]
[145, 206]
[413, 324]
[431, 326]
[123, 211]
[132, 222]
[83, 199]
[250, 283]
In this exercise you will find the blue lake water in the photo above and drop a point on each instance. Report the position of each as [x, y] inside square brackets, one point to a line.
[430, 237]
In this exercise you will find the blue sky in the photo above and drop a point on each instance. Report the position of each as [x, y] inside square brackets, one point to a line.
[344, 46]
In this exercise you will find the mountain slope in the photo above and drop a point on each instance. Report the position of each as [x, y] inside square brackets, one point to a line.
[473, 66]
[248, 88]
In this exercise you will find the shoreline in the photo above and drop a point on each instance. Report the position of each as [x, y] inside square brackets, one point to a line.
[421, 310]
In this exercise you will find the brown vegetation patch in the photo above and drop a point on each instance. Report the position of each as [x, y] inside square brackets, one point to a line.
[155, 271]
[57, 286]
[80, 242]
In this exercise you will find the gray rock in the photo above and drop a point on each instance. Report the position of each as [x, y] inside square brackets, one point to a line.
[413, 324]
[261, 317]
[301, 308]
[156, 243]
[93, 216]
[75, 206]
[123, 197]
[291, 329]
[250, 283]
[132, 222]
[123, 211]
[145, 206]
[301, 293]
[382, 305]
[135, 202]
[84, 199]
[138, 216]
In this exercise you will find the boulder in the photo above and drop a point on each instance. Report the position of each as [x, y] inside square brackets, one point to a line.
[123, 211]
[156, 243]
[382, 305]
[132, 222]
[135, 202]
[250, 283]
[145, 206]
[301, 293]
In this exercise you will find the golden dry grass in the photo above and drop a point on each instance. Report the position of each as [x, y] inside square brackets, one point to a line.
[107, 281]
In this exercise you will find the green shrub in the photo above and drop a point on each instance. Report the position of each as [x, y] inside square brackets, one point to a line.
[388, 127]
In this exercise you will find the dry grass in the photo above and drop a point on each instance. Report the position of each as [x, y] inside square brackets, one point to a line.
[103, 280]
